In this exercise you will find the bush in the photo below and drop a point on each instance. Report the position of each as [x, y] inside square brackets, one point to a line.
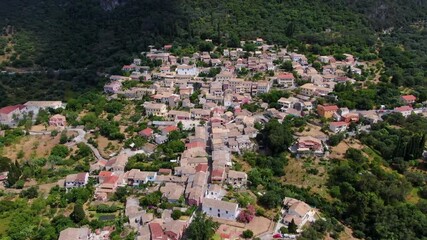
[283, 230]
[20, 184]
[334, 140]
[60, 151]
[247, 234]
[246, 216]
[176, 214]
[103, 208]
[30, 193]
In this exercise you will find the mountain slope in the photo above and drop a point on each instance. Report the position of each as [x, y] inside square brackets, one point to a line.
[80, 33]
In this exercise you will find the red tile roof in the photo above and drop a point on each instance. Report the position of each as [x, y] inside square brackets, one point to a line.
[403, 109]
[286, 76]
[329, 107]
[146, 132]
[112, 179]
[169, 129]
[202, 167]
[218, 173]
[195, 145]
[105, 174]
[165, 171]
[338, 124]
[156, 231]
[409, 97]
[9, 109]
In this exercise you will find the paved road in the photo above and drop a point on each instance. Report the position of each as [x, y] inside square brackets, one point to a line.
[80, 138]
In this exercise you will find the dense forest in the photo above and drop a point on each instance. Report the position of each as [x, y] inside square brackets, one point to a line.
[84, 35]
[80, 33]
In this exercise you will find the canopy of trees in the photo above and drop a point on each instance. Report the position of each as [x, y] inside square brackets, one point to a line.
[372, 200]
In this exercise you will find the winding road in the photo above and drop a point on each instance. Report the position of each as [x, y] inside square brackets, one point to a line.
[80, 138]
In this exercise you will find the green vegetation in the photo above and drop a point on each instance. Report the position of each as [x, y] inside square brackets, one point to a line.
[398, 145]
[201, 228]
[370, 200]
[353, 96]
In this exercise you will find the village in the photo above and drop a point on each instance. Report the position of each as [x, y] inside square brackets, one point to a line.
[208, 97]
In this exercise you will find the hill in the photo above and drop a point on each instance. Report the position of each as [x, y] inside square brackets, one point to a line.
[99, 35]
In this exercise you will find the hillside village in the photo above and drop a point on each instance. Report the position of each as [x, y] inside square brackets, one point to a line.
[205, 112]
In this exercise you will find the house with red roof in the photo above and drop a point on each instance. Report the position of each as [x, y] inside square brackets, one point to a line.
[286, 80]
[10, 113]
[107, 187]
[174, 229]
[408, 99]
[202, 167]
[128, 68]
[350, 117]
[147, 133]
[327, 111]
[195, 145]
[404, 110]
[169, 129]
[103, 175]
[218, 175]
[156, 232]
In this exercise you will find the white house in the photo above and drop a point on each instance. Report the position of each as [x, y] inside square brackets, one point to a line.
[215, 191]
[220, 209]
[76, 180]
[188, 70]
[155, 109]
[135, 177]
[337, 127]
[35, 106]
[10, 113]
[286, 80]
[298, 211]
[404, 110]
[237, 179]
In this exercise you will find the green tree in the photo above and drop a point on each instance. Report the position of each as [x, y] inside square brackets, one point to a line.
[64, 138]
[152, 199]
[247, 234]
[292, 227]
[31, 192]
[270, 199]
[176, 214]
[5, 163]
[14, 174]
[78, 213]
[201, 228]
[121, 194]
[287, 66]
[60, 151]
[290, 29]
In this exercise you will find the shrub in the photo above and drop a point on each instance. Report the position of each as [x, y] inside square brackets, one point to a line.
[247, 234]
[176, 214]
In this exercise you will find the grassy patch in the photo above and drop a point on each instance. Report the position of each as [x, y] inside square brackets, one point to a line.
[413, 196]
[296, 174]
[4, 224]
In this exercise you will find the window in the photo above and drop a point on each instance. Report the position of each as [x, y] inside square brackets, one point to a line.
[210, 209]
[226, 212]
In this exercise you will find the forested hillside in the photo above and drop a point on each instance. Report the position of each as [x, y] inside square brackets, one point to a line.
[80, 34]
